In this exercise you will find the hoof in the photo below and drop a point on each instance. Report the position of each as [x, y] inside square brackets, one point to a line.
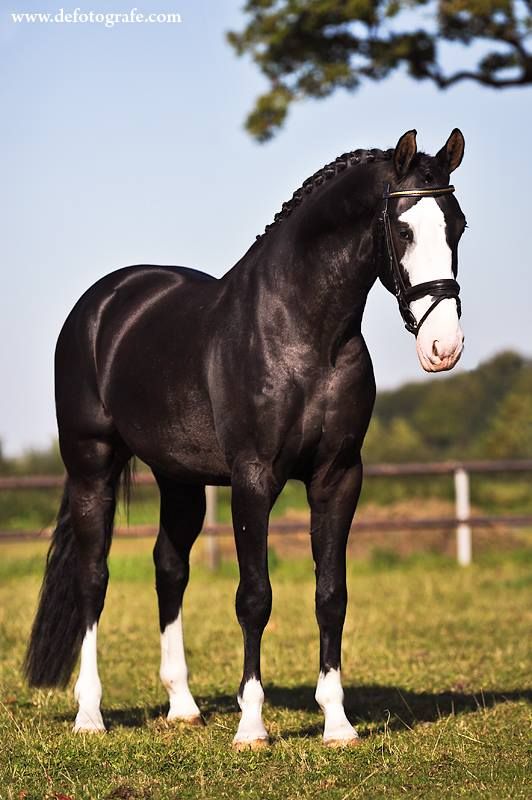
[89, 723]
[252, 744]
[195, 721]
[352, 742]
[91, 731]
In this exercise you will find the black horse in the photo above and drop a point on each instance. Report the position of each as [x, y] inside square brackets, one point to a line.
[247, 381]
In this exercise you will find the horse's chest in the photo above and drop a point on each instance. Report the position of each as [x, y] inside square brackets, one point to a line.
[336, 414]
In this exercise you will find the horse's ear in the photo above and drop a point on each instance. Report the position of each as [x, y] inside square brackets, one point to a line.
[404, 153]
[452, 152]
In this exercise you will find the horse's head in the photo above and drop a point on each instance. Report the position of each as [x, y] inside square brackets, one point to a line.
[423, 224]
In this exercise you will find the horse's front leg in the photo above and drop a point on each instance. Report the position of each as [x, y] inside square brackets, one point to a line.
[333, 496]
[252, 498]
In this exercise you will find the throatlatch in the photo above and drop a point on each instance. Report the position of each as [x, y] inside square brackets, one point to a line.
[440, 289]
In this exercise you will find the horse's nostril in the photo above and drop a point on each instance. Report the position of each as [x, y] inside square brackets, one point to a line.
[435, 348]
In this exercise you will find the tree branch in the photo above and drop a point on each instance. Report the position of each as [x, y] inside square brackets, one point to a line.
[444, 82]
[311, 49]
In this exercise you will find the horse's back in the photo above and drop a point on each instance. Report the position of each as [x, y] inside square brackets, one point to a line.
[134, 283]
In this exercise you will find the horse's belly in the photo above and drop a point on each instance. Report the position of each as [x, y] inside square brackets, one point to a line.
[175, 435]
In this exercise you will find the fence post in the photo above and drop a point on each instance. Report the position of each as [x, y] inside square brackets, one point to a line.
[212, 546]
[463, 511]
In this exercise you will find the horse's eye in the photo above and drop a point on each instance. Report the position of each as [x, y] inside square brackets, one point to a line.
[406, 235]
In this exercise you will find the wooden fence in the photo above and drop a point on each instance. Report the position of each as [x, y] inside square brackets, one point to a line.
[463, 521]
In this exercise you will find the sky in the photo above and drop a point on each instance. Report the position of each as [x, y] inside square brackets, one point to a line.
[117, 144]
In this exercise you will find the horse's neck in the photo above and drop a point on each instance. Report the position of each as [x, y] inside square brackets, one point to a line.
[315, 291]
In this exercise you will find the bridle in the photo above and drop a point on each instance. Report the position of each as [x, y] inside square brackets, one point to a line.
[440, 289]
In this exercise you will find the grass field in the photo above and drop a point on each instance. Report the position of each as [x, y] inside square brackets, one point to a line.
[436, 666]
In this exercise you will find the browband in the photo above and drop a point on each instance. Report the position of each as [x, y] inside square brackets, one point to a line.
[434, 191]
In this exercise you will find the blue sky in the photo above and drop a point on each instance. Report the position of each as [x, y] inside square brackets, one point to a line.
[117, 143]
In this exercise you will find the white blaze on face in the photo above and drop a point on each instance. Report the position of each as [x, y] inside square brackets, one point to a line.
[428, 257]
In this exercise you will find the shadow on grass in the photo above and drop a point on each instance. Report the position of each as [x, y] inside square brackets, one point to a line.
[382, 706]
[391, 706]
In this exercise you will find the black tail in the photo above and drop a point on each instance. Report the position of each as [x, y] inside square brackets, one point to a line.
[57, 632]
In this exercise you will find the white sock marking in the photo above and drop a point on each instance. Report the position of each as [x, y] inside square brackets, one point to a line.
[174, 673]
[88, 689]
[251, 727]
[330, 698]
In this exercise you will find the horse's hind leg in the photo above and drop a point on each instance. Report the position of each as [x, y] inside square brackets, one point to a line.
[182, 514]
[92, 496]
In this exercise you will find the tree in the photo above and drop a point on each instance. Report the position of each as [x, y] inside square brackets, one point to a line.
[309, 48]
[485, 413]
[396, 442]
[510, 432]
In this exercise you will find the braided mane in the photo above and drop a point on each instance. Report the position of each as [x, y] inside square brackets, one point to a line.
[345, 161]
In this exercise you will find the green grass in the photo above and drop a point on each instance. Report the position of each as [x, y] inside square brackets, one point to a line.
[436, 668]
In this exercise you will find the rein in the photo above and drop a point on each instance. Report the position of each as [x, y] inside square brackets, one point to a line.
[440, 289]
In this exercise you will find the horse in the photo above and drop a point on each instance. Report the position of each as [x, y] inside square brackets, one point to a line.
[249, 380]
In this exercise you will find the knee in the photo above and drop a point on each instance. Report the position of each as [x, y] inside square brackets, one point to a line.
[172, 577]
[336, 486]
[331, 603]
[254, 478]
[254, 603]
[170, 571]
